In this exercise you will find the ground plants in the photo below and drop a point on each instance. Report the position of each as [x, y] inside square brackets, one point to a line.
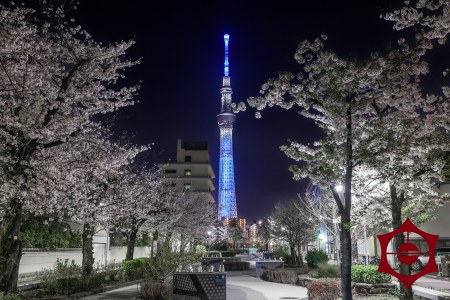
[369, 274]
[288, 276]
[315, 257]
[326, 271]
[324, 289]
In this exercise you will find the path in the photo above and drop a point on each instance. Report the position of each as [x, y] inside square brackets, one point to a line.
[239, 286]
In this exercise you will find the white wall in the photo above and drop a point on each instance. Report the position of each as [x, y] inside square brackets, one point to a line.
[37, 261]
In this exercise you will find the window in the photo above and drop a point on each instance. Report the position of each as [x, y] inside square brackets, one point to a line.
[187, 186]
[188, 158]
[170, 171]
[187, 173]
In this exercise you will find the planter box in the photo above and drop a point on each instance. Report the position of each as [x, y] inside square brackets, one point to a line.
[262, 265]
[201, 286]
[373, 289]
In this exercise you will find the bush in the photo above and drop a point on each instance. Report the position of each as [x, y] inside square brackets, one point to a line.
[133, 269]
[315, 257]
[288, 276]
[93, 281]
[236, 265]
[68, 285]
[324, 289]
[369, 274]
[327, 271]
[63, 270]
[157, 290]
[10, 297]
[228, 254]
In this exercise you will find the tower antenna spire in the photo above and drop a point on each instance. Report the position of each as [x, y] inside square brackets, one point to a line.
[226, 69]
[226, 119]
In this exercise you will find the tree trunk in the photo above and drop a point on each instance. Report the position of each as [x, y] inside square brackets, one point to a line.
[292, 250]
[300, 255]
[131, 242]
[11, 248]
[183, 243]
[346, 262]
[154, 247]
[87, 265]
[399, 239]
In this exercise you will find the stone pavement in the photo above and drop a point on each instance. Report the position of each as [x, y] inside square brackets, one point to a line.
[244, 286]
[434, 282]
[240, 286]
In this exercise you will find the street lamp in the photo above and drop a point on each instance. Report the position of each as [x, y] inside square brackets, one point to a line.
[207, 240]
[320, 238]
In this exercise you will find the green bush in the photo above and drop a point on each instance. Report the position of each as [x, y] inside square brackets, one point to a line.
[228, 254]
[93, 281]
[324, 289]
[10, 297]
[133, 269]
[315, 257]
[68, 285]
[327, 271]
[369, 274]
[40, 232]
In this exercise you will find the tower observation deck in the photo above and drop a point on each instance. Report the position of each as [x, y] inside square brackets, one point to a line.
[226, 119]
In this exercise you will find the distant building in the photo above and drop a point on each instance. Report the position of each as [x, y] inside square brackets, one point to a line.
[192, 170]
[236, 222]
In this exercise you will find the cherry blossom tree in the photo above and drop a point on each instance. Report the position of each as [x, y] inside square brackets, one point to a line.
[89, 172]
[354, 103]
[147, 205]
[54, 78]
[288, 222]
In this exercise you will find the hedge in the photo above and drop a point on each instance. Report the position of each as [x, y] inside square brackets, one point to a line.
[369, 274]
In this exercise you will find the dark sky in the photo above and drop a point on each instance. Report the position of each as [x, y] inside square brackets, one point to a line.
[181, 43]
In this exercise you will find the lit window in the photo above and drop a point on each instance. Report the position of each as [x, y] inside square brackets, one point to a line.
[187, 186]
[187, 173]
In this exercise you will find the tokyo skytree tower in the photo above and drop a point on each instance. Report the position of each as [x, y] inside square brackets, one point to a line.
[226, 119]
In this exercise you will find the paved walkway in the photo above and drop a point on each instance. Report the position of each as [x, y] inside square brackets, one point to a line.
[244, 286]
[433, 282]
[239, 286]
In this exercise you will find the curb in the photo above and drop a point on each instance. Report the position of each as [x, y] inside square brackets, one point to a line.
[99, 290]
[103, 289]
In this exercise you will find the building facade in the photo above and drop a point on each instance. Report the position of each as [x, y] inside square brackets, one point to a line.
[192, 169]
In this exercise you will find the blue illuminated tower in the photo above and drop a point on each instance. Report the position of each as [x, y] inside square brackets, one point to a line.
[226, 118]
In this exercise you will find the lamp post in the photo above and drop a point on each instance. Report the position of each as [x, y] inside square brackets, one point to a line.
[207, 240]
[320, 236]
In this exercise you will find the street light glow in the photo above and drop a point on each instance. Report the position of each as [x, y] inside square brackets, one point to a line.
[339, 188]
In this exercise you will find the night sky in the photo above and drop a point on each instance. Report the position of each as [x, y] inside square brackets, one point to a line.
[181, 43]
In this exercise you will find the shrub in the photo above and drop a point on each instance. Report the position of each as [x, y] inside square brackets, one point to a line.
[315, 257]
[236, 265]
[157, 290]
[289, 276]
[68, 285]
[324, 289]
[326, 271]
[93, 281]
[228, 254]
[369, 274]
[10, 297]
[133, 269]
[63, 270]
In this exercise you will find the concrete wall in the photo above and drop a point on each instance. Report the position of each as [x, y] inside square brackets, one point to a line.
[38, 261]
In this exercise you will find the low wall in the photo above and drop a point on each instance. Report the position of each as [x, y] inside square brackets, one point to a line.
[35, 260]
